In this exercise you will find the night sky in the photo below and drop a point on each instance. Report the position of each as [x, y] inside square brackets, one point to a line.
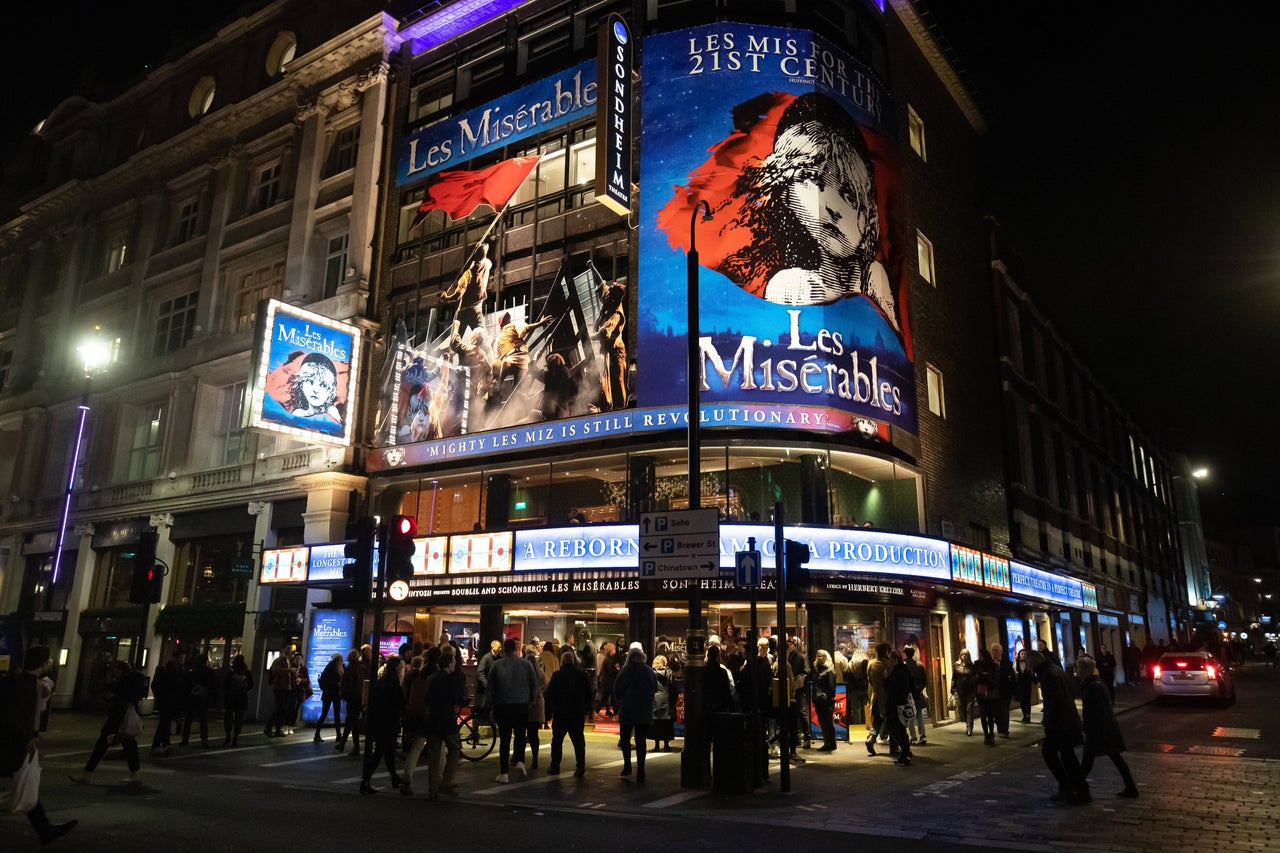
[1133, 165]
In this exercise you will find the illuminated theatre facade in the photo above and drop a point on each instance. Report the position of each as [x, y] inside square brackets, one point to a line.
[533, 401]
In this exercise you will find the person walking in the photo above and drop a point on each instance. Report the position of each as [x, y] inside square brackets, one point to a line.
[824, 698]
[900, 705]
[444, 697]
[482, 675]
[282, 679]
[127, 687]
[986, 673]
[512, 683]
[1106, 666]
[1006, 684]
[663, 728]
[568, 703]
[235, 700]
[354, 677]
[877, 673]
[386, 706]
[1025, 680]
[331, 696]
[537, 709]
[1063, 731]
[19, 740]
[1101, 731]
[633, 692]
[302, 691]
[964, 687]
[200, 696]
[915, 726]
[169, 686]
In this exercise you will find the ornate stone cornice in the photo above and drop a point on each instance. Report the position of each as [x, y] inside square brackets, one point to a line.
[372, 77]
[307, 109]
[162, 519]
[258, 507]
[82, 530]
[228, 157]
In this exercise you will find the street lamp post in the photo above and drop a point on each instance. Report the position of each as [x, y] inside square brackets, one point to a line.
[695, 761]
[93, 354]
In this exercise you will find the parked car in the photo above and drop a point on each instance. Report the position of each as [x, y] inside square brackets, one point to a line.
[1187, 675]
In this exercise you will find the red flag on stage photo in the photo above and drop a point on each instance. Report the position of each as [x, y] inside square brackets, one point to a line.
[458, 194]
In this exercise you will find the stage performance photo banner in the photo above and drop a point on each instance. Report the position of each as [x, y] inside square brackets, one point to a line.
[803, 273]
[305, 374]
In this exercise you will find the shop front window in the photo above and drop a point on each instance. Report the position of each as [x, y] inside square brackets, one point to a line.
[205, 571]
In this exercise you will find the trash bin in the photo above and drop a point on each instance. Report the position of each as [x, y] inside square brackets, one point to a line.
[730, 758]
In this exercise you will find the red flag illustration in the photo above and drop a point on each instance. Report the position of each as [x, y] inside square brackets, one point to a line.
[458, 194]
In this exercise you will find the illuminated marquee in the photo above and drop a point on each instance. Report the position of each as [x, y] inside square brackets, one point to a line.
[1046, 586]
[284, 565]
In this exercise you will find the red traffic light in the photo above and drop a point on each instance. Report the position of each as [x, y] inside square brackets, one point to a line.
[406, 525]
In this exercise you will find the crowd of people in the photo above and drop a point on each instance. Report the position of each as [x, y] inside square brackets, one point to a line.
[408, 705]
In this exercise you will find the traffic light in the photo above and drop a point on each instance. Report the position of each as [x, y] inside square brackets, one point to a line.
[360, 552]
[797, 554]
[144, 588]
[400, 547]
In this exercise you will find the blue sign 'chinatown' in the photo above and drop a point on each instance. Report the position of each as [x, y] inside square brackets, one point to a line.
[332, 632]
[803, 269]
[518, 115]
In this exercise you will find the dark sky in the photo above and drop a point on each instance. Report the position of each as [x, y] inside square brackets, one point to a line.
[1134, 166]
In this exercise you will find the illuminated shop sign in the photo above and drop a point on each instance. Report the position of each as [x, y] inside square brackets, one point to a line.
[540, 106]
[327, 562]
[453, 20]
[803, 282]
[305, 375]
[475, 553]
[615, 117]
[430, 555]
[611, 546]
[1046, 586]
[966, 565]
[995, 572]
[616, 546]
[284, 565]
[622, 423]
[1089, 594]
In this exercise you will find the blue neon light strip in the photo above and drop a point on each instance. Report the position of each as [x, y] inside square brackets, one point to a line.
[453, 21]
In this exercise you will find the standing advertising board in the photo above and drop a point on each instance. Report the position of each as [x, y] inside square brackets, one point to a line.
[332, 632]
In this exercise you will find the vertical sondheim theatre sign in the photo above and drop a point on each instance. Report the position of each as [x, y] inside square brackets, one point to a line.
[614, 117]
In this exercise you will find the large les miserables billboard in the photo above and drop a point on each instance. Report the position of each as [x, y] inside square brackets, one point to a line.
[802, 292]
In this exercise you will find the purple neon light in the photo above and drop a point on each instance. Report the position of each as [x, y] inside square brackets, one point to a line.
[454, 20]
[71, 484]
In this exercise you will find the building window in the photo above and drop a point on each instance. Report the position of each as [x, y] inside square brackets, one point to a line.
[201, 100]
[915, 132]
[144, 448]
[187, 219]
[281, 53]
[924, 258]
[346, 144]
[937, 395]
[117, 251]
[175, 323]
[230, 438]
[265, 283]
[335, 265]
[432, 96]
[267, 192]
[6, 363]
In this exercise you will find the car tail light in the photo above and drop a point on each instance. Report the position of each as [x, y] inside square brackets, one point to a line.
[1211, 671]
[1182, 664]
[1155, 672]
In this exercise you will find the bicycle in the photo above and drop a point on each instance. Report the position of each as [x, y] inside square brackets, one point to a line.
[477, 733]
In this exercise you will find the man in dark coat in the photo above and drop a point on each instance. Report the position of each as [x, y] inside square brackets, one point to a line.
[170, 686]
[1101, 732]
[1107, 670]
[568, 700]
[1006, 684]
[1062, 729]
[19, 699]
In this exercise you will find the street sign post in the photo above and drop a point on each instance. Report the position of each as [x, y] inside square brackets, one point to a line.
[680, 544]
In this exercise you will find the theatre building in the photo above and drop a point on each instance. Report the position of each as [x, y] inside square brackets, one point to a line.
[531, 412]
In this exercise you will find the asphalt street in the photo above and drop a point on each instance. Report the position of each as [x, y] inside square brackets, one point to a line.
[1208, 777]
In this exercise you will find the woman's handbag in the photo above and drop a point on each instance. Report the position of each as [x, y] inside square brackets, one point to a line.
[907, 711]
[951, 702]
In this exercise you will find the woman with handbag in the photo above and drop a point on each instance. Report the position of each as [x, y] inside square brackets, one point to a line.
[123, 725]
[824, 698]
